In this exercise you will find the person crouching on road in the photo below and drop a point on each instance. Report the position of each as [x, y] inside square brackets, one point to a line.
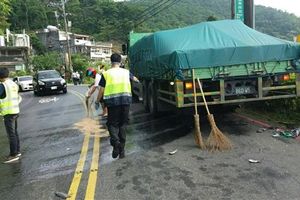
[91, 72]
[9, 109]
[115, 89]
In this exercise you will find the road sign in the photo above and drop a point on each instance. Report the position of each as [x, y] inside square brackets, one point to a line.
[239, 10]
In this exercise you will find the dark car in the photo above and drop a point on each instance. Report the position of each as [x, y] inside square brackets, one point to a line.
[48, 81]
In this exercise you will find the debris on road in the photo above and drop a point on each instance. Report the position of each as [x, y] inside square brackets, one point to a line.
[62, 195]
[294, 133]
[261, 130]
[173, 152]
[253, 161]
[276, 135]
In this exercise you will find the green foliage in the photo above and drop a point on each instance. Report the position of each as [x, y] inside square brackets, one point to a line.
[282, 110]
[37, 45]
[211, 18]
[28, 14]
[277, 23]
[80, 62]
[5, 9]
[19, 73]
[46, 61]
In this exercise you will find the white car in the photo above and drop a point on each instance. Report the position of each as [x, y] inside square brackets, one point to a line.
[24, 83]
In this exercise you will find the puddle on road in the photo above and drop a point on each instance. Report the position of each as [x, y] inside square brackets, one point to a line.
[92, 126]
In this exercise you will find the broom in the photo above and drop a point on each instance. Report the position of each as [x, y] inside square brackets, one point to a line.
[197, 132]
[87, 104]
[216, 141]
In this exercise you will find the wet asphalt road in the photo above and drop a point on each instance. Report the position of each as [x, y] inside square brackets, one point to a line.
[52, 146]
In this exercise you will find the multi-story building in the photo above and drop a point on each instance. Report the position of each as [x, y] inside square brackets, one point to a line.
[56, 40]
[101, 51]
[14, 51]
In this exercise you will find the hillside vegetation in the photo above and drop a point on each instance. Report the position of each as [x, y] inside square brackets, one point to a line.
[107, 20]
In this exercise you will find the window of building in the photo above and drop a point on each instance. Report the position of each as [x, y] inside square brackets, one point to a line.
[106, 51]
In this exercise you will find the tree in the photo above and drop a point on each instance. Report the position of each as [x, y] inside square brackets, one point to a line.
[5, 9]
[28, 14]
[47, 61]
[80, 62]
[37, 45]
[211, 18]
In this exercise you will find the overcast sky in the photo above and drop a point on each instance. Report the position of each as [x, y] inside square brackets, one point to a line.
[291, 6]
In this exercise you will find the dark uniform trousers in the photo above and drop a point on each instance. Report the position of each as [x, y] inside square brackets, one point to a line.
[11, 125]
[117, 119]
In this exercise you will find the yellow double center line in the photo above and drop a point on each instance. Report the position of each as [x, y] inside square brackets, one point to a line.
[93, 173]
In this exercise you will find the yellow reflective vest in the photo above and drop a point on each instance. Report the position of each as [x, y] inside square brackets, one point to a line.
[10, 104]
[117, 87]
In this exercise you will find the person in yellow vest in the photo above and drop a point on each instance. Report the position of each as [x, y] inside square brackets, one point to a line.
[9, 109]
[115, 88]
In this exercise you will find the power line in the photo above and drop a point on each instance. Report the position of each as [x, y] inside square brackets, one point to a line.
[154, 11]
[151, 8]
[158, 11]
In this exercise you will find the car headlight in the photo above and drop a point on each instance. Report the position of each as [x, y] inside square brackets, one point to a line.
[62, 81]
[41, 83]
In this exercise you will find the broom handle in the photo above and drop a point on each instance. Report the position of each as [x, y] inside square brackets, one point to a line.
[203, 96]
[195, 97]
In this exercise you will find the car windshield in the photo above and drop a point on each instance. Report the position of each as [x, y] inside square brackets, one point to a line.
[25, 78]
[50, 74]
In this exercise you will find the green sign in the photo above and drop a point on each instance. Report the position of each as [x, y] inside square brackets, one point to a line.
[239, 10]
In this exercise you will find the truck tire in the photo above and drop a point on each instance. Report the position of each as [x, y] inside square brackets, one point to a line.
[152, 98]
[145, 95]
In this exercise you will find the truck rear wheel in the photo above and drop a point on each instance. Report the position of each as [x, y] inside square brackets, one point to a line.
[145, 96]
[152, 98]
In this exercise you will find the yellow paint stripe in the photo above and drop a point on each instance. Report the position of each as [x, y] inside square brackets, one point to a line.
[82, 98]
[79, 169]
[90, 192]
[92, 182]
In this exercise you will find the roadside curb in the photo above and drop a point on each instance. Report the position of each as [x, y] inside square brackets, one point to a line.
[254, 121]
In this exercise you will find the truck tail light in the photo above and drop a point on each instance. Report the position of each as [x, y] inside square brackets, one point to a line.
[286, 77]
[188, 85]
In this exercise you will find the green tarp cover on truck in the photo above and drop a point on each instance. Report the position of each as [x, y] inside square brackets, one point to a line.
[208, 44]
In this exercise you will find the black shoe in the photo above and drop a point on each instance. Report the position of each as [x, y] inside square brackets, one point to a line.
[11, 159]
[122, 155]
[122, 152]
[115, 152]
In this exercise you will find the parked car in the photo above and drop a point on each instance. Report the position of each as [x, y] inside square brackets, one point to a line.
[24, 83]
[48, 81]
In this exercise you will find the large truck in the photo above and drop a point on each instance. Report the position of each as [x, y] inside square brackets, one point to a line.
[234, 63]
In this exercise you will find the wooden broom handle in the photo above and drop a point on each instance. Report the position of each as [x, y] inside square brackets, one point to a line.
[195, 97]
[203, 96]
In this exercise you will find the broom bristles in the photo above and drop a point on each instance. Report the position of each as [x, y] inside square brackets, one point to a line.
[197, 133]
[217, 141]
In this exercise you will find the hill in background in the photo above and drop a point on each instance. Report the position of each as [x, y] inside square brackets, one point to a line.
[107, 20]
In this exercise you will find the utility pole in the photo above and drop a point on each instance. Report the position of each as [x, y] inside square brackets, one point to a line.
[69, 67]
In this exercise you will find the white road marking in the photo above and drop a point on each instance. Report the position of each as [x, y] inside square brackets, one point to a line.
[48, 100]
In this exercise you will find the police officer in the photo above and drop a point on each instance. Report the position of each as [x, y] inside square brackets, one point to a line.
[116, 91]
[9, 109]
